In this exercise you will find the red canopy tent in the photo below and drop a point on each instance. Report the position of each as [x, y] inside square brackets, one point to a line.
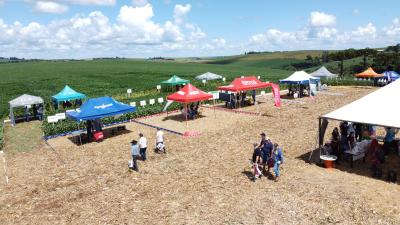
[245, 84]
[188, 94]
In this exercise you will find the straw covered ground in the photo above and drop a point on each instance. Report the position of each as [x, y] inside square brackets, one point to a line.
[201, 180]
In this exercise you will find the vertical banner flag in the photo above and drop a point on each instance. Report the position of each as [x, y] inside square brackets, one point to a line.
[277, 94]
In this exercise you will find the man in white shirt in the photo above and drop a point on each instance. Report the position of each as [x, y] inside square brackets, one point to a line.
[160, 140]
[142, 146]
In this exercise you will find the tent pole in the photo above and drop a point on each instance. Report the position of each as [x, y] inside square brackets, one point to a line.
[80, 138]
[215, 116]
[186, 112]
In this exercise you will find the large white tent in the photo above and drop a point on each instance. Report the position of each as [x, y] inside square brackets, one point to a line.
[209, 76]
[299, 77]
[21, 101]
[323, 72]
[380, 108]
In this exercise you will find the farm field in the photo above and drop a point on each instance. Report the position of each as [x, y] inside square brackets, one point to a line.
[201, 180]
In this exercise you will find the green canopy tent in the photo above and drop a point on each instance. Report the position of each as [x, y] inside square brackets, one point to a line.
[67, 94]
[174, 81]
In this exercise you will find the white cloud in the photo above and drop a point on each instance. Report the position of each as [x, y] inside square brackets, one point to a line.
[356, 11]
[393, 31]
[367, 31]
[139, 2]
[321, 19]
[180, 11]
[50, 7]
[93, 2]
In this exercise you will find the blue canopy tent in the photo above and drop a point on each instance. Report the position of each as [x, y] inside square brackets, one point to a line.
[391, 75]
[97, 108]
[67, 94]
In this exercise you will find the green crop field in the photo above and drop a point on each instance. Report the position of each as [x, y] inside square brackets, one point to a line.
[109, 77]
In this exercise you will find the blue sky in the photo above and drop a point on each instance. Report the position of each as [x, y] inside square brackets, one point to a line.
[145, 28]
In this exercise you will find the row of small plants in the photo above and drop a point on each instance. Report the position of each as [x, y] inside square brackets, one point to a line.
[67, 125]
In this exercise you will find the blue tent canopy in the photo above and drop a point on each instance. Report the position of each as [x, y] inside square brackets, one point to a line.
[68, 94]
[97, 108]
[392, 74]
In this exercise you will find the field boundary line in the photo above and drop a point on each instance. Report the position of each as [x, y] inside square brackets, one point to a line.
[55, 152]
[157, 127]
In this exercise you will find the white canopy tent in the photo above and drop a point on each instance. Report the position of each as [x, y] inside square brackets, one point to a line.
[22, 101]
[323, 72]
[299, 77]
[209, 76]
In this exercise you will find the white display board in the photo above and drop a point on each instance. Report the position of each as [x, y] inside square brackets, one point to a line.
[262, 92]
[258, 77]
[158, 87]
[223, 79]
[129, 91]
[152, 101]
[143, 103]
[52, 119]
[132, 103]
[60, 116]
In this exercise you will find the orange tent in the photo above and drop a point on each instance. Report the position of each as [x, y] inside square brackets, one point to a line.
[369, 73]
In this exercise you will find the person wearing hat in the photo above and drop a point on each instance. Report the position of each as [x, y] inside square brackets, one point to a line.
[277, 157]
[266, 147]
[135, 155]
[142, 146]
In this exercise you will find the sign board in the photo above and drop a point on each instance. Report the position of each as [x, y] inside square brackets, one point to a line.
[223, 79]
[152, 101]
[241, 76]
[143, 103]
[262, 92]
[204, 81]
[129, 91]
[158, 87]
[258, 77]
[52, 119]
[160, 100]
[60, 116]
[132, 104]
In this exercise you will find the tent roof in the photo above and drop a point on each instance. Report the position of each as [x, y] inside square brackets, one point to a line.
[24, 100]
[299, 77]
[377, 108]
[323, 72]
[189, 93]
[368, 73]
[97, 108]
[175, 80]
[245, 84]
[68, 94]
[393, 75]
[209, 76]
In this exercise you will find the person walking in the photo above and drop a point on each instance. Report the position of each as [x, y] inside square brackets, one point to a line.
[142, 146]
[135, 155]
[160, 140]
[277, 156]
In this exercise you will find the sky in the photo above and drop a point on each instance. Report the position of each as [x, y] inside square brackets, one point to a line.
[54, 29]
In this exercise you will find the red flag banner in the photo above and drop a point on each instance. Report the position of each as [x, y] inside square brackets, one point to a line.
[277, 94]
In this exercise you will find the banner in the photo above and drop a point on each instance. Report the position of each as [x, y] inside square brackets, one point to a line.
[277, 94]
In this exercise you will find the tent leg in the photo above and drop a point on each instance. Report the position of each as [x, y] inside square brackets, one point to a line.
[215, 116]
[80, 138]
[186, 115]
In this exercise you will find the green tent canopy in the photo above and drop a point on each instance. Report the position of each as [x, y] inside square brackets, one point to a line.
[67, 94]
[175, 80]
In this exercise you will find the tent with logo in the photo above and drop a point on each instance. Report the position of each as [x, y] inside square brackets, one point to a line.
[67, 94]
[175, 80]
[391, 75]
[97, 108]
[22, 101]
[188, 94]
[245, 84]
[300, 77]
[323, 72]
[369, 73]
[209, 76]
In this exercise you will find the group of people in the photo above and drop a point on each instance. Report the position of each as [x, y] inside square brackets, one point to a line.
[191, 111]
[345, 138]
[240, 99]
[139, 148]
[37, 112]
[266, 154]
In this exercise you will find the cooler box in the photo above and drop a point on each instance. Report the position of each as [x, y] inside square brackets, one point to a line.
[98, 136]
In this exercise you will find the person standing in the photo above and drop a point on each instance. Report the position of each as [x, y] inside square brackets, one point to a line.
[277, 156]
[135, 155]
[160, 140]
[142, 146]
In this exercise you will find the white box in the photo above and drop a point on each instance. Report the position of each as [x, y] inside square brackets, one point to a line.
[160, 100]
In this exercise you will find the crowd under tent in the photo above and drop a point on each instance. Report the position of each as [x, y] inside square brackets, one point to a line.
[323, 72]
[209, 76]
[368, 73]
[377, 108]
[23, 101]
[300, 77]
[96, 108]
[188, 94]
[67, 94]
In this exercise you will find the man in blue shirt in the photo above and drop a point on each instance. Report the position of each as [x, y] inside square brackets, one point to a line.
[135, 154]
